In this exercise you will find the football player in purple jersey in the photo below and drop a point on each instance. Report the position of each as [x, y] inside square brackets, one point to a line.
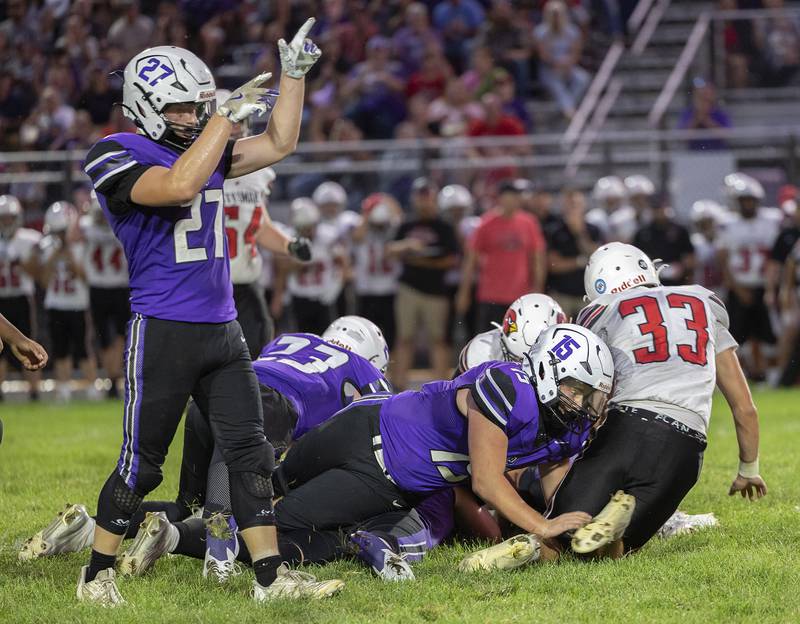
[161, 190]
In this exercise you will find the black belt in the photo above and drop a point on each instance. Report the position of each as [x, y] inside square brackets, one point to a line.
[656, 417]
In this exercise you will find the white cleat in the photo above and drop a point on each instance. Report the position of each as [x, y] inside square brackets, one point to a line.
[222, 546]
[681, 523]
[156, 538]
[513, 553]
[294, 584]
[102, 591]
[71, 531]
[606, 527]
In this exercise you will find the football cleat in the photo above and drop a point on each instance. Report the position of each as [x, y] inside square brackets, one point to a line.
[71, 531]
[681, 523]
[222, 546]
[101, 591]
[156, 537]
[375, 552]
[512, 553]
[294, 584]
[606, 527]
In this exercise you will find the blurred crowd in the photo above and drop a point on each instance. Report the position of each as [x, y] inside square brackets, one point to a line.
[429, 64]
[434, 272]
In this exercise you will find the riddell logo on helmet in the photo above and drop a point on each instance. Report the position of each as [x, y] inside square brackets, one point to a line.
[630, 283]
[510, 322]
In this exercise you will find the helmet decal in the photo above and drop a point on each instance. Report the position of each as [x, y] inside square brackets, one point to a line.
[642, 264]
[600, 286]
[510, 322]
[565, 347]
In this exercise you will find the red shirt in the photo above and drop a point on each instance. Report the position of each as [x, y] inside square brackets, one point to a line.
[504, 246]
[507, 125]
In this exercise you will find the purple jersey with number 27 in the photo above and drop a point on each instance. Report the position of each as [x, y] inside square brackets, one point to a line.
[177, 255]
[425, 437]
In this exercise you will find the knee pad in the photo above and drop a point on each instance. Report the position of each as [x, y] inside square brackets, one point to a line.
[116, 505]
[251, 499]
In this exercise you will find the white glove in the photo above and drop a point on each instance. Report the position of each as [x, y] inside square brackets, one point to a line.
[246, 100]
[301, 54]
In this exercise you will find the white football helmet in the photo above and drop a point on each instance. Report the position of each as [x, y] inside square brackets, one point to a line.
[305, 213]
[609, 187]
[10, 215]
[361, 336]
[456, 196]
[330, 193]
[163, 75]
[616, 267]
[639, 185]
[738, 185]
[524, 320]
[706, 209]
[59, 217]
[577, 358]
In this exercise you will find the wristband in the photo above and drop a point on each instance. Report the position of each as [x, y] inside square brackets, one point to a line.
[748, 470]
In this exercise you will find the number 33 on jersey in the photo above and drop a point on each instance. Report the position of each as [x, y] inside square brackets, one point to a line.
[664, 341]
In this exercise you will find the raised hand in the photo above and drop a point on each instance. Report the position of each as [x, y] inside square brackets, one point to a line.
[250, 98]
[300, 55]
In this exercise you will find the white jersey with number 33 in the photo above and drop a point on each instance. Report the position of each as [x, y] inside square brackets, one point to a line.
[664, 342]
[245, 211]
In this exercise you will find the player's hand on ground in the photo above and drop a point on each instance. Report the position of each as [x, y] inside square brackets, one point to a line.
[30, 353]
[300, 248]
[300, 55]
[565, 522]
[246, 100]
[749, 487]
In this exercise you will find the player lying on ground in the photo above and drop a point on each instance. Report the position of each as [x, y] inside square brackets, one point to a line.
[670, 346]
[161, 190]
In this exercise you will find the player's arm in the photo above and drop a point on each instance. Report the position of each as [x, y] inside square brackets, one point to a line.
[283, 130]
[733, 385]
[178, 185]
[488, 447]
[282, 268]
[29, 352]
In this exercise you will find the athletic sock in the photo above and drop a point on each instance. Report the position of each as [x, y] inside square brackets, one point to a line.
[266, 570]
[98, 563]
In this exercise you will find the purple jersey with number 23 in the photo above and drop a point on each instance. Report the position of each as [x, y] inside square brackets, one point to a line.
[177, 255]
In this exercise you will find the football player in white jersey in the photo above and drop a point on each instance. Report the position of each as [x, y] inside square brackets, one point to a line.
[744, 247]
[525, 319]
[615, 219]
[17, 267]
[106, 271]
[331, 199]
[375, 274]
[248, 226]
[315, 285]
[670, 345]
[63, 275]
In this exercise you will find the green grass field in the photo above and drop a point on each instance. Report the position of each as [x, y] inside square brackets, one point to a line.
[748, 570]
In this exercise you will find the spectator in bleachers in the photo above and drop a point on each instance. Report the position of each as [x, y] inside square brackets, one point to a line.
[49, 121]
[480, 78]
[778, 39]
[375, 272]
[512, 104]
[739, 47]
[453, 113]
[131, 31]
[411, 42]
[375, 89]
[705, 114]
[509, 40]
[432, 76]
[457, 21]
[427, 247]
[570, 242]
[496, 123]
[98, 98]
[559, 44]
[506, 257]
[663, 237]
[21, 23]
